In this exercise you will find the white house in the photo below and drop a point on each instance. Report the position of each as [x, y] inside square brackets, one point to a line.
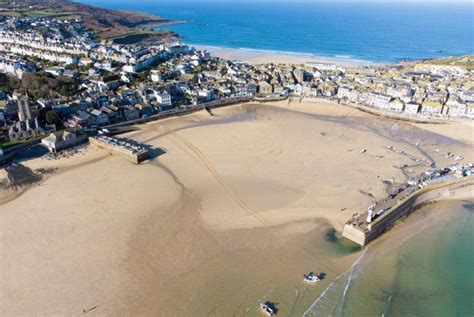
[412, 108]
[377, 100]
[11, 67]
[163, 98]
[322, 66]
[396, 105]
[431, 108]
[343, 92]
[470, 110]
[62, 140]
[155, 76]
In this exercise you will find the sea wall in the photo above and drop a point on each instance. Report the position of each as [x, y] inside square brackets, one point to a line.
[270, 98]
[459, 189]
[177, 112]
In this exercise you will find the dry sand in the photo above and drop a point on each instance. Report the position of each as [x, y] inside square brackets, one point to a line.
[262, 57]
[233, 209]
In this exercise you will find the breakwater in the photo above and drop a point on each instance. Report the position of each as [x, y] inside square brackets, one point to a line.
[455, 189]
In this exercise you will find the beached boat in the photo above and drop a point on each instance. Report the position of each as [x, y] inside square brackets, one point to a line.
[311, 278]
[267, 309]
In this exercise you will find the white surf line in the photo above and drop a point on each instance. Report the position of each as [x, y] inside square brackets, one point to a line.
[349, 279]
[315, 303]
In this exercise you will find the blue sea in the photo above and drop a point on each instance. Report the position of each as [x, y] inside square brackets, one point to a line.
[375, 32]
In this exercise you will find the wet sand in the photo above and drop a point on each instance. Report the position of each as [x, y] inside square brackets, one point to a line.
[234, 210]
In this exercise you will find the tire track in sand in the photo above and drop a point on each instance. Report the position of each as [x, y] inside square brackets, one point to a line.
[196, 154]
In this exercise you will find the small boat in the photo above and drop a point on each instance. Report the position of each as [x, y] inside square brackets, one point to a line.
[267, 309]
[311, 278]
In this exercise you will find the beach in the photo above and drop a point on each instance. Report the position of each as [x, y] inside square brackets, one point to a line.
[231, 209]
[261, 57]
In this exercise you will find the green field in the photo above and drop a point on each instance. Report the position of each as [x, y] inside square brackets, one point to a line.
[8, 144]
[464, 61]
[137, 36]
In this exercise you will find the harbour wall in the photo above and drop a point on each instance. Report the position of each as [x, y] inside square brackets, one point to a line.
[458, 189]
[135, 157]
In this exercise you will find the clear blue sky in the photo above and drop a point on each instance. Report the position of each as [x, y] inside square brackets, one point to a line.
[352, 1]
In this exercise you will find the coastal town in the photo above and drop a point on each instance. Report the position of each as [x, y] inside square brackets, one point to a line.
[57, 76]
[142, 175]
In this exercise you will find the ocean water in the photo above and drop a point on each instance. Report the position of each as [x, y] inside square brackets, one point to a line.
[425, 268]
[366, 31]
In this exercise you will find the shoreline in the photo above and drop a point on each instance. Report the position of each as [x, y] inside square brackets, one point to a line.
[257, 56]
[380, 263]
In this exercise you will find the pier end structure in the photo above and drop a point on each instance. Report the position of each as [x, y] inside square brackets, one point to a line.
[133, 152]
[457, 189]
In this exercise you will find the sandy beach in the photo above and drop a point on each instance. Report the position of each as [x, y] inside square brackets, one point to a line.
[262, 57]
[232, 209]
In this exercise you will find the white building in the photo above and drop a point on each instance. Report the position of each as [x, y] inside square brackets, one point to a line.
[322, 66]
[62, 140]
[155, 76]
[396, 105]
[343, 92]
[412, 108]
[164, 99]
[377, 100]
[431, 108]
[12, 67]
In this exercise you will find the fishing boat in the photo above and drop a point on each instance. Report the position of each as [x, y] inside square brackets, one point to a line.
[311, 278]
[267, 309]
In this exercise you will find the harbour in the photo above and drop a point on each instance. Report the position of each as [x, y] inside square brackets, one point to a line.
[455, 182]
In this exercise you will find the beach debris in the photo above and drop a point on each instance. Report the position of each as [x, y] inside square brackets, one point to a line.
[459, 158]
[323, 133]
[379, 157]
[436, 150]
[363, 151]
[85, 311]
[343, 209]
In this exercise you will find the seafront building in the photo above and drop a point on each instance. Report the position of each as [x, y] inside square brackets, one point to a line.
[62, 140]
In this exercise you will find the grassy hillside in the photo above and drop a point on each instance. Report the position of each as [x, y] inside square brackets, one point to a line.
[464, 61]
[105, 23]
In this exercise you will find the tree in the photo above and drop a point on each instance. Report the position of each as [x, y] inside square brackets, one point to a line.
[52, 117]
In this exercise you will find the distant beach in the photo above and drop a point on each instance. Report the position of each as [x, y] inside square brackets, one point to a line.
[261, 56]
